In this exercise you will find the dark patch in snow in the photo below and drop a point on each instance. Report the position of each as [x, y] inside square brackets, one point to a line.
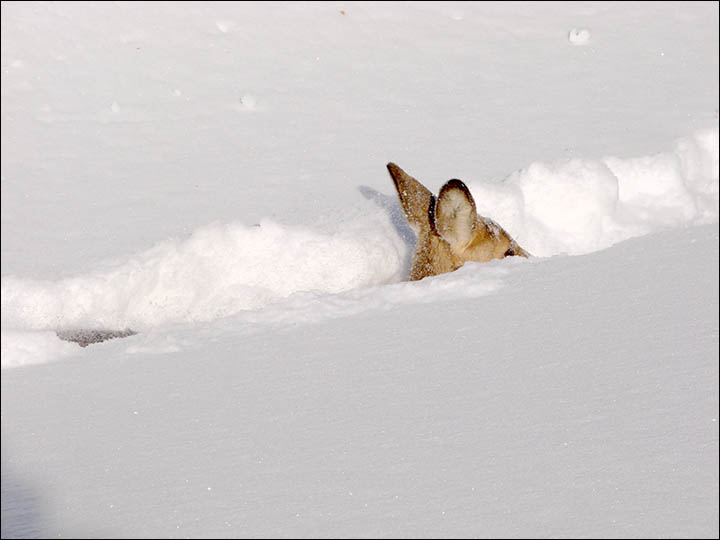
[85, 337]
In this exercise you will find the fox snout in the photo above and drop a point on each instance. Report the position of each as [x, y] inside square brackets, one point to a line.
[449, 230]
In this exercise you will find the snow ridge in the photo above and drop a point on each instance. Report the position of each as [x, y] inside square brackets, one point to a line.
[573, 207]
[578, 206]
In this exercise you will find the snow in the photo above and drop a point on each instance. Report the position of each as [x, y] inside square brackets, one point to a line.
[212, 176]
[572, 207]
[579, 36]
[578, 401]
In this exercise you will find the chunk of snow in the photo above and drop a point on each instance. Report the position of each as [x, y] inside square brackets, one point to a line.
[579, 36]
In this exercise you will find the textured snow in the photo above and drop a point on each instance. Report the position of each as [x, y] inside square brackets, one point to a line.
[212, 176]
[572, 207]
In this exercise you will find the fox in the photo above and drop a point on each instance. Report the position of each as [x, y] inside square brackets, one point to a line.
[449, 230]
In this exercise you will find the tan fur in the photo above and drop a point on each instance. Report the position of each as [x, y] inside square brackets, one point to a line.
[449, 230]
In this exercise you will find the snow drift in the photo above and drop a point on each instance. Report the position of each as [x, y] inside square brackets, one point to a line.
[219, 270]
[579, 206]
[571, 207]
[558, 396]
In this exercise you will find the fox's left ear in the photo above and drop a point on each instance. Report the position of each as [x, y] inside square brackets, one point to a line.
[454, 215]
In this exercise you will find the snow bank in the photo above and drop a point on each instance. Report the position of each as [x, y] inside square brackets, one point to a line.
[573, 207]
[22, 348]
[218, 271]
[579, 206]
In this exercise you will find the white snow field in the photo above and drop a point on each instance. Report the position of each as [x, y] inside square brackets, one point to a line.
[212, 176]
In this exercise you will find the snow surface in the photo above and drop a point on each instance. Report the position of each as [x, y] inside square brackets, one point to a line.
[213, 177]
[574, 207]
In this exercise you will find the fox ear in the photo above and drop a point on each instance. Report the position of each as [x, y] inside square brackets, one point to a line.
[455, 214]
[414, 198]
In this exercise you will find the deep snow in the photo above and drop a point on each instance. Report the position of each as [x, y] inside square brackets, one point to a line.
[573, 207]
[212, 175]
[580, 400]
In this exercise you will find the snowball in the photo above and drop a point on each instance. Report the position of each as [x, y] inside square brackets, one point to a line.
[225, 26]
[579, 36]
[248, 102]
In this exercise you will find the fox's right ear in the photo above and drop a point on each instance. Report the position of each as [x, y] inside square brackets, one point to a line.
[455, 214]
[414, 198]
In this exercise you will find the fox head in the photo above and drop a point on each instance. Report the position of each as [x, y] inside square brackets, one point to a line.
[449, 230]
